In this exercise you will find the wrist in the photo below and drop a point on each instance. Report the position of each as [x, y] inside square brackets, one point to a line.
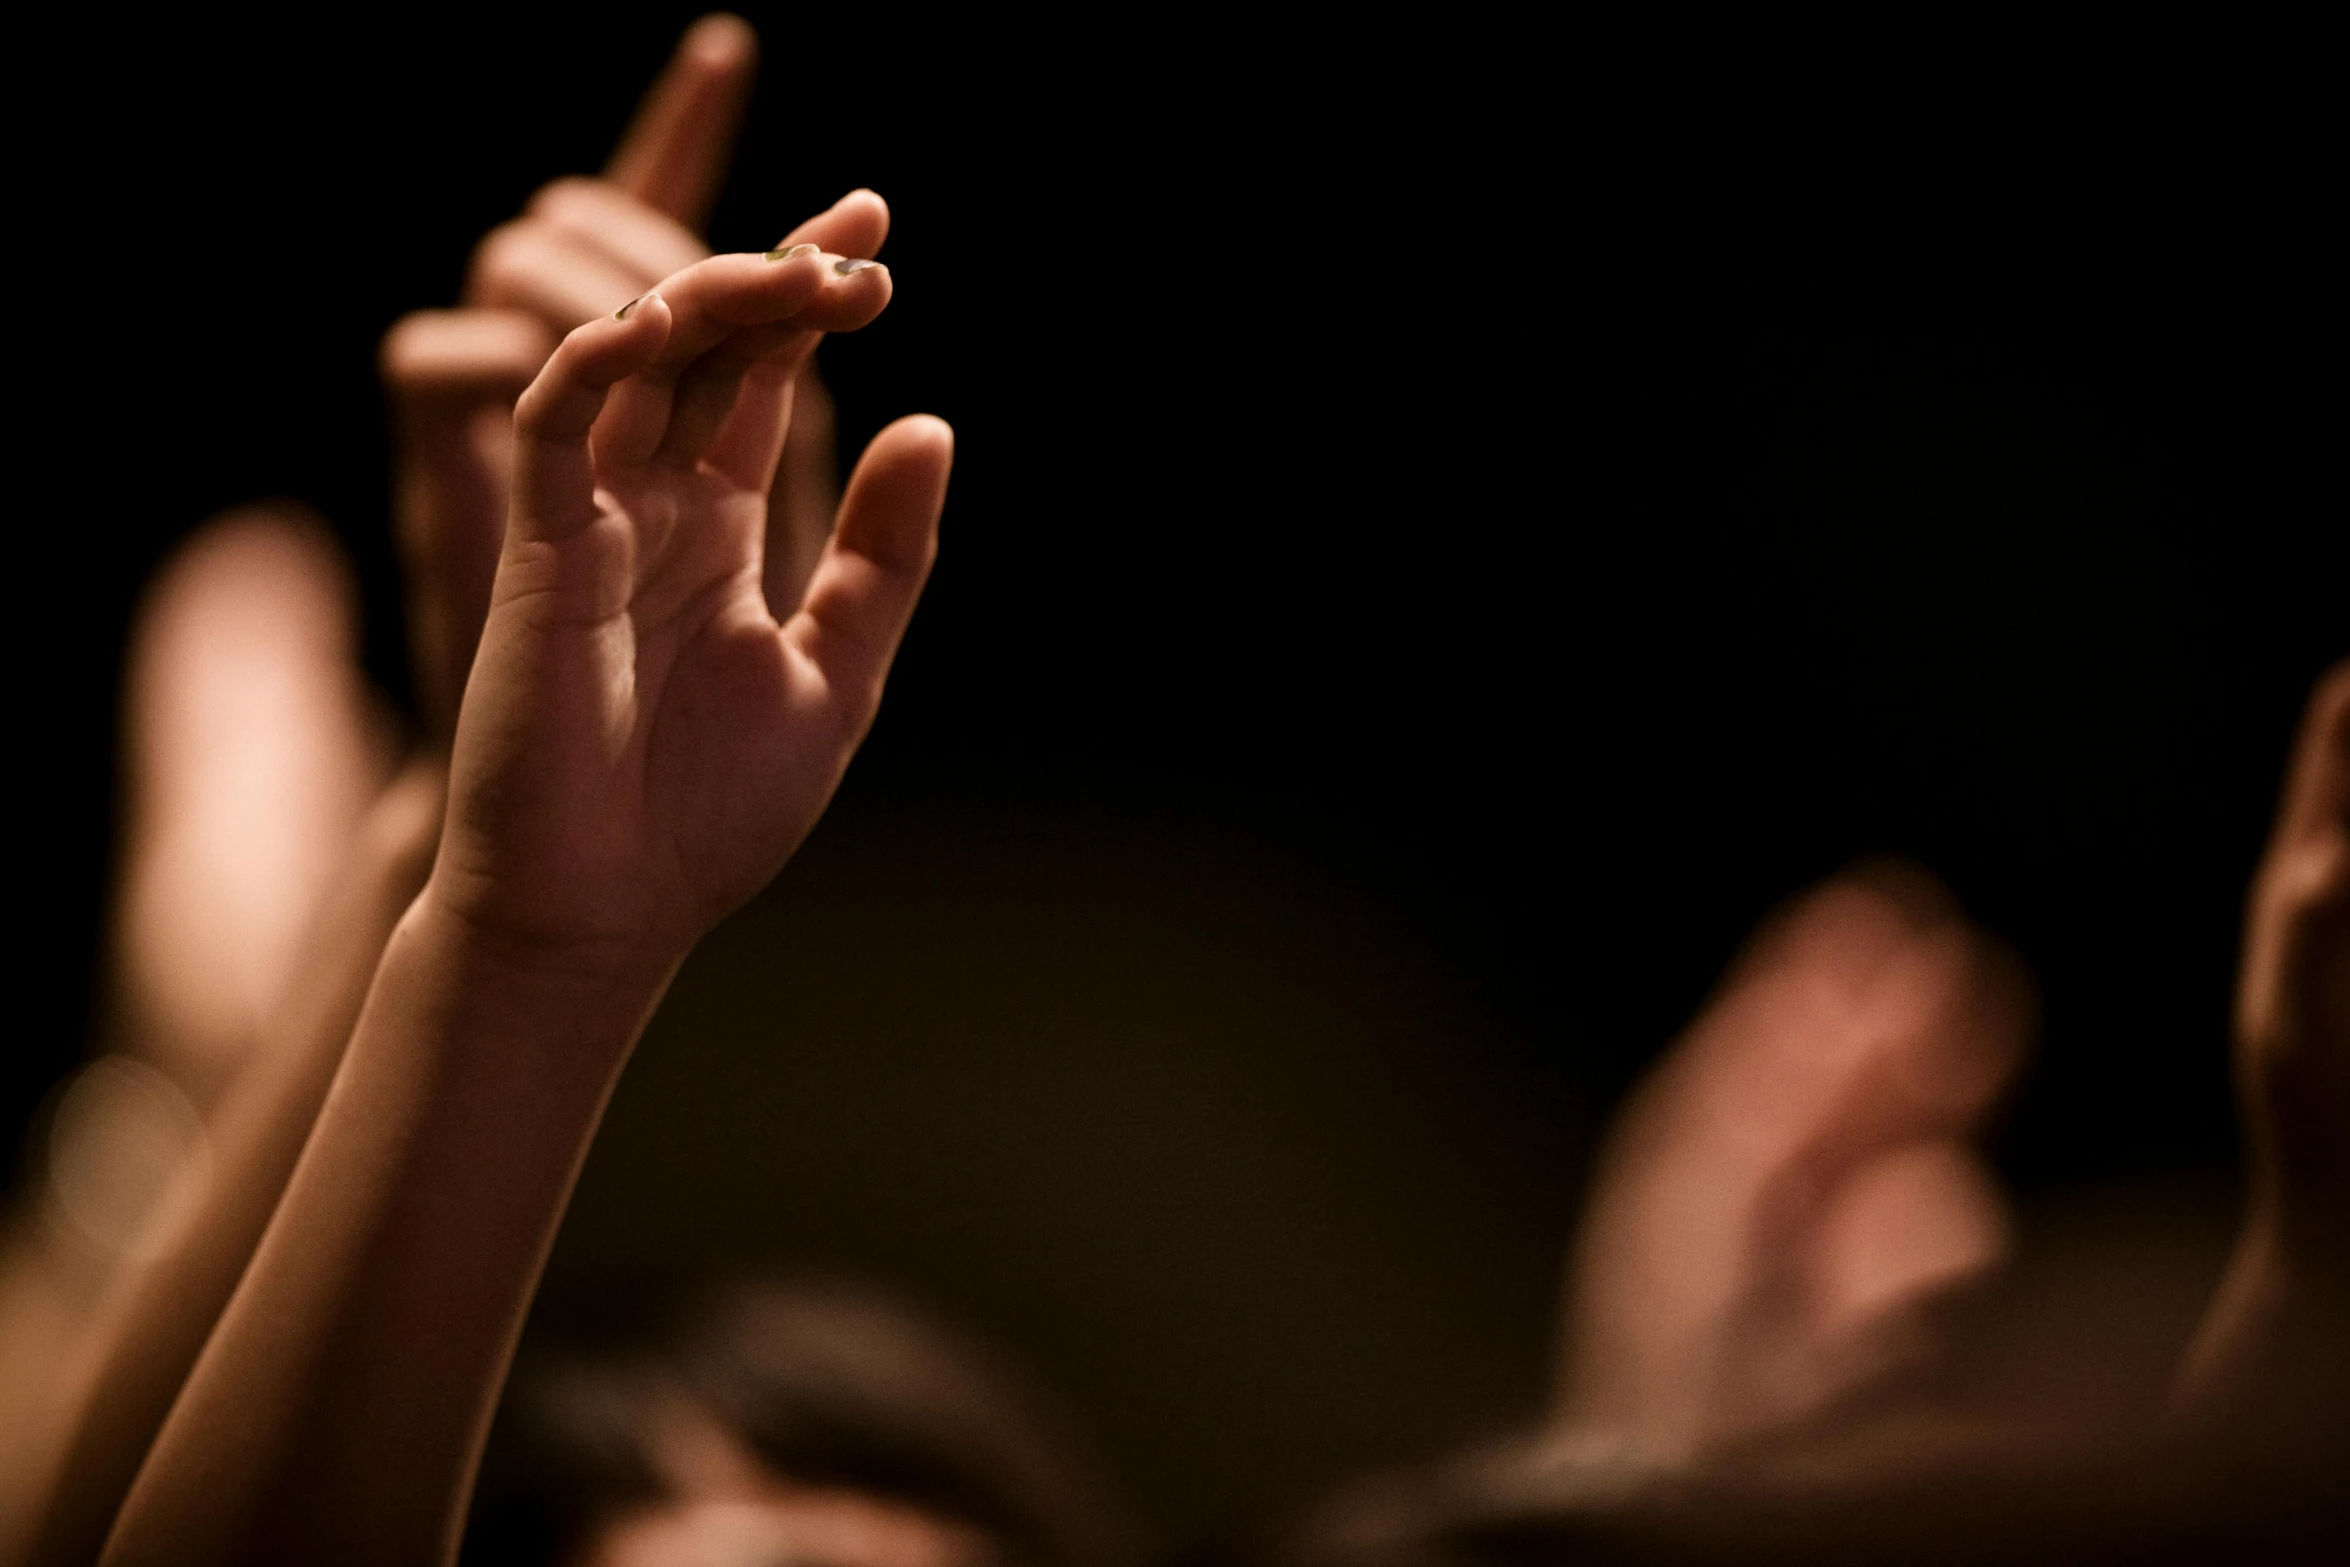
[581, 999]
[533, 958]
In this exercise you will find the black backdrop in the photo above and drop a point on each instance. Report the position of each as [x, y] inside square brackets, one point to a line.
[1569, 494]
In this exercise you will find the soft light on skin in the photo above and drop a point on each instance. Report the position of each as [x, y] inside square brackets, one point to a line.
[253, 750]
[128, 1158]
[1794, 1189]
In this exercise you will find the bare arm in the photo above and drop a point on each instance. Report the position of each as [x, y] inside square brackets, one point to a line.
[356, 1373]
[451, 375]
[640, 747]
[107, 1405]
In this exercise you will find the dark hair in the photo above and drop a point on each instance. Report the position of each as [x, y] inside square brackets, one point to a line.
[826, 1383]
[1923, 1490]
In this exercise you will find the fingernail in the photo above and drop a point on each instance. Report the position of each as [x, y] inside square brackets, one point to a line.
[844, 268]
[622, 313]
[781, 254]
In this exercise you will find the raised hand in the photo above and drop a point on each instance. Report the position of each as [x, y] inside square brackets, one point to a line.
[1794, 1187]
[581, 248]
[2274, 1352]
[642, 743]
[640, 746]
[581, 239]
[2293, 1007]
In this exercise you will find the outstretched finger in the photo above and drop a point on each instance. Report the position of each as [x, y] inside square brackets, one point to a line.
[729, 314]
[865, 586]
[855, 225]
[432, 359]
[803, 292]
[732, 405]
[554, 476]
[674, 153]
[452, 377]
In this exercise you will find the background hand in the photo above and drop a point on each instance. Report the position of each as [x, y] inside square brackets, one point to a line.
[2293, 1006]
[581, 248]
[642, 744]
[2273, 1353]
[1794, 1186]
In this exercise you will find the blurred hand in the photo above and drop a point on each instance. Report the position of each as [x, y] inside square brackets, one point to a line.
[1793, 1188]
[2273, 1353]
[580, 249]
[252, 747]
[642, 744]
[2293, 1005]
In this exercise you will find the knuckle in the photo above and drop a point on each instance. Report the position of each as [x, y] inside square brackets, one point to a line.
[503, 256]
[564, 196]
[530, 409]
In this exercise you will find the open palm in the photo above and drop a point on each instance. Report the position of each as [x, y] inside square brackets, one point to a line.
[642, 744]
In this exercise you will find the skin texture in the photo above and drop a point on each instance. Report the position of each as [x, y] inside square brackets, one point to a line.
[640, 747]
[1790, 1192]
[109, 1400]
[666, 707]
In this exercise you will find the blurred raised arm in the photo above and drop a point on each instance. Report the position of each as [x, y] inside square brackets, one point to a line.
[641, 746]
[2273, 1354]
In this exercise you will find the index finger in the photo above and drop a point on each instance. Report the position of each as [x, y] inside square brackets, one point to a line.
[674, 152]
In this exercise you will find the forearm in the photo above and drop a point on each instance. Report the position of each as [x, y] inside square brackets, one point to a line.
[111, 1398]
[339, 1407]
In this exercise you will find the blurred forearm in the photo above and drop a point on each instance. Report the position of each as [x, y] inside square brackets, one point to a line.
[339, 1408]
[107, 1403]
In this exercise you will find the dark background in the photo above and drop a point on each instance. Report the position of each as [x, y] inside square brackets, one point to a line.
[1444, 536]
